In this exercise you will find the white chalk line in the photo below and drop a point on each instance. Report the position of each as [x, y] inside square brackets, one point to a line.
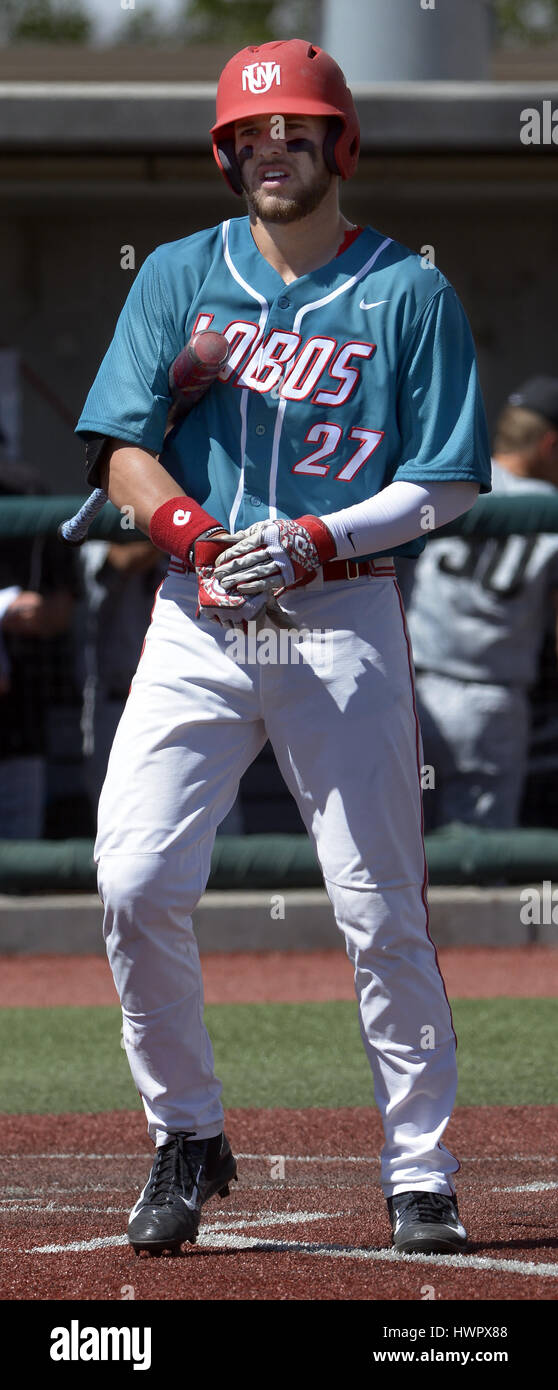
[239, 1222]
[78, 1246]
[221, 1234]
[464, 1262]
[53, 1209]
[18, 1190]
[375, 1158]
[529, 1187]
[289, 1158]
[220, 1228]
[21, 1204]
[226, 1234]
[285, 1218]
[30, 1157]
[13, 1191]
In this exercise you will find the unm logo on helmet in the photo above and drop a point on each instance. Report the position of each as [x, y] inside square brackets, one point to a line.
[259, 77]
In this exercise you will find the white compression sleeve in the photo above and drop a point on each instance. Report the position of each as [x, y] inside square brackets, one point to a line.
[400, 513]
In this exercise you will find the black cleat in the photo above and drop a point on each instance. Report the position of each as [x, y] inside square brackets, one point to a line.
[426, 1223]
[185, 1174]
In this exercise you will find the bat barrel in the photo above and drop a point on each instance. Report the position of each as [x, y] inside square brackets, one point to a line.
[197, 365]
[190, 376]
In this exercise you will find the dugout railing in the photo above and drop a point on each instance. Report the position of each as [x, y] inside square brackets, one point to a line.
[491, 516]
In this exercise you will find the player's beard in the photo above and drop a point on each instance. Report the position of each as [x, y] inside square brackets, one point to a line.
[275, 207]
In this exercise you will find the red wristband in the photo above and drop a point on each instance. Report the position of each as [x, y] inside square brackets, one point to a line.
[322, 538]
[176, 524]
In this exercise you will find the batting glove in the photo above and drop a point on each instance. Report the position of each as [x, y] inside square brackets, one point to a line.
[272, 556]
[214, 601]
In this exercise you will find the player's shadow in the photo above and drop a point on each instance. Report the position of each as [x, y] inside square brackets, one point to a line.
[544, 1243]
[279, 1247]
[508, 1247]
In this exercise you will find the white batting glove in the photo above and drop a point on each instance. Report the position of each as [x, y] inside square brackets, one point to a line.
[224, 607]
[272, 556]
[213, 600]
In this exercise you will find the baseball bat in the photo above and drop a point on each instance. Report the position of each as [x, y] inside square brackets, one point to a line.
[190, 376]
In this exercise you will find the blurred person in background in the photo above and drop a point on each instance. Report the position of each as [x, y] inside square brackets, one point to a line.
[477, 614]
[540, 794]
[38, 587]
[120, 583]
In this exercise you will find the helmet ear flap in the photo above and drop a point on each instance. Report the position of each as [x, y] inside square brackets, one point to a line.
[230, 165]
[332, 135]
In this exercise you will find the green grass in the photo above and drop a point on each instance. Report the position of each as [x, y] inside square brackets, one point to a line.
[294, 1055]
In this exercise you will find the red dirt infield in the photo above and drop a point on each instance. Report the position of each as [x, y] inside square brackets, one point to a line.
[266, 977]
[306, 1221]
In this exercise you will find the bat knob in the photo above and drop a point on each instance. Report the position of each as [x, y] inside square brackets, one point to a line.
[68, 540]
[209, 349]
[198, 364]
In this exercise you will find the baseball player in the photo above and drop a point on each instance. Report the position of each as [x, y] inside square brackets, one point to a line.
[349, 403]
[477, 617]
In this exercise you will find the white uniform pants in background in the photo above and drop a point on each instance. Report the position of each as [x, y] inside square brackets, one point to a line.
[476, 737]
[340, 716]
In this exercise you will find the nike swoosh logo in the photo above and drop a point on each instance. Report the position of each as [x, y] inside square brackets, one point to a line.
[374, 304]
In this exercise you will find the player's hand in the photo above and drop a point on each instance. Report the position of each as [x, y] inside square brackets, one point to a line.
[226, 608]
[208, 546]
[272, 556]
[38, 615]
[213, 600]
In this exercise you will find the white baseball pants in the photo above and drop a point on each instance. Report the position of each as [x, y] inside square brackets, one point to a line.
[342, 722]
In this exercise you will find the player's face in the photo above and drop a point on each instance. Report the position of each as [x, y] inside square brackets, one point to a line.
[282, 165]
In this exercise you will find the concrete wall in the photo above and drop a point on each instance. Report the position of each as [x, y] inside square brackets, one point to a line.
[240, 921]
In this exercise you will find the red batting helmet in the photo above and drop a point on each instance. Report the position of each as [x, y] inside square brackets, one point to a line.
[290, 77]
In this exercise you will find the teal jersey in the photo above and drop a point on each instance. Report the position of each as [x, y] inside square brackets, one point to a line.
[358, 374]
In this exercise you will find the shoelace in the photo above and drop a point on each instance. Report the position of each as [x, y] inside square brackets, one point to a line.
[427, 1206]
[172, 1163]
